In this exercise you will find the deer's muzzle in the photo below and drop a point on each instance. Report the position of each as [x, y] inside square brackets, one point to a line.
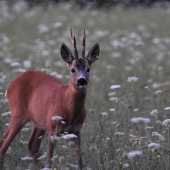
[81, 82]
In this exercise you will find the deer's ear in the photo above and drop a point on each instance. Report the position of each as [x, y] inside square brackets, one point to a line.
[93, 53]
[66, 54]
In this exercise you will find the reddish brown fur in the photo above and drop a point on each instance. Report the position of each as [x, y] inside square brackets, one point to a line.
[25, 95]
[37, 97]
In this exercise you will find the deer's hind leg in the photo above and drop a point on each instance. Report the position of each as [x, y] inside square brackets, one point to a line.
[53, 130]
[15, 126]
[4, 138]
[34, 143]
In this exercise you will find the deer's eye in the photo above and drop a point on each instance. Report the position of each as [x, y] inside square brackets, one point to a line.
[88, 70]
[72, 70]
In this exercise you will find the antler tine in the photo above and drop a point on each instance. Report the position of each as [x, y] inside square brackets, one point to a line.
[84, 44]
[73, 40]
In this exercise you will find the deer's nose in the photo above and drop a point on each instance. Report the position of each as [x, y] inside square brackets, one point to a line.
[82, 82]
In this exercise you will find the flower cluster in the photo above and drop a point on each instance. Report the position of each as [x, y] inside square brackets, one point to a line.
[166, 122]
[115, 86]
[114, 99]
[140, 119]
[158, 135]
[155, 145]
[132, 79]
[154, 112]
[134, 153]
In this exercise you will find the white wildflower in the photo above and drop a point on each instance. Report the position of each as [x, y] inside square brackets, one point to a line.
[112, 93]
[27, 158]
[63, 122]
[57, 24]
[114, 99]
[93, 148]
[166, 122]
[5, 93]
[54, 157]
[134, 153]
[132, 79]
[46, 169]
[140, 119]
[9, 150]
[104, 114]
[149, 127]
[167, 108]
[19, 70]
[114, 123]
[112, 109]
[115, 86]
[118, 150]
[42, 157]
[56, 118]
[63, 146]
[132, 136]
[156, 145]
[136, 109]
[126, 165]
[2, 79]
[107, 139]
[158, 91]
[27, 64]
[8, 60]
[15, 64]
[43, 28]
[5, 39]
[116, 44]
[40, 137]
[54, 138]
[158, 135]
[55, 74]
[119, 133]
[69, 136]
[139, 43]
[154, 112]
[156, 40]
[25, 129]
[73, 166]
[146, 87]
[6, 114]
[24, 142]
[159, 122]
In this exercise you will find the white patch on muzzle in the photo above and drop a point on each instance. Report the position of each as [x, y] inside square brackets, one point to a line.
[82, 87]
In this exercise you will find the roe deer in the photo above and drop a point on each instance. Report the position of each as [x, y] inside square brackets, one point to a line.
[37, 97]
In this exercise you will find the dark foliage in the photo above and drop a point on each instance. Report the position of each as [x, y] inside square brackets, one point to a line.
[95, 3]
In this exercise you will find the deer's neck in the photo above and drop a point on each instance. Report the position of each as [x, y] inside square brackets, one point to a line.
[76, 98]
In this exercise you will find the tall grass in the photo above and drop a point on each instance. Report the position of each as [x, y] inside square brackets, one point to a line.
[134, 42]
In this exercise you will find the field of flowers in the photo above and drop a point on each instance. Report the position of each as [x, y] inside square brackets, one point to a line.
[128, 100]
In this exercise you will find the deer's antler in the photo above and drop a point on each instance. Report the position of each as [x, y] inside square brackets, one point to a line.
[73, 40]
[84, 44]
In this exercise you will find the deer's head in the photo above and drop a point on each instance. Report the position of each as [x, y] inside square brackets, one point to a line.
[79, 67]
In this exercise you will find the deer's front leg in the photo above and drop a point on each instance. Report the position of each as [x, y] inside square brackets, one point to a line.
[78, 151]
[52, 132]
[50, 152]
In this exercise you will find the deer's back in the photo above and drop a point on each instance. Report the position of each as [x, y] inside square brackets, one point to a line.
[34, 92]
[29, 81]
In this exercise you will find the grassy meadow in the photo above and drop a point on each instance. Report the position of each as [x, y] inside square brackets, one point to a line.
[128, 99]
